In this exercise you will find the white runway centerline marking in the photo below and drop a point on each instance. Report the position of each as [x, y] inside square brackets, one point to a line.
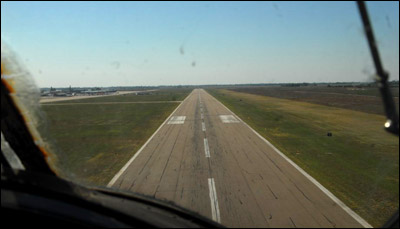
[228, 119]
[202, 116]
[206, 148]
[177, 120]
[203, 126]
[214, 201]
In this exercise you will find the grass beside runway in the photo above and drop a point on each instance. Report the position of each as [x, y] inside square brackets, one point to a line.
[359, 163]
[94, 141]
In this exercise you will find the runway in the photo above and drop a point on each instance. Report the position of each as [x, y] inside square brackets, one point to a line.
[206, 159]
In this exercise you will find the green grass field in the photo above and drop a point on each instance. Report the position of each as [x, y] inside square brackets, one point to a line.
[93, 141]
[359, 164]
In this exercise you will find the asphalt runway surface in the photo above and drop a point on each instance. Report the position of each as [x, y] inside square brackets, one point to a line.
[204, 158]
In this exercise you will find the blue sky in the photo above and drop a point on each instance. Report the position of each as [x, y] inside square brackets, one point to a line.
[170, 43]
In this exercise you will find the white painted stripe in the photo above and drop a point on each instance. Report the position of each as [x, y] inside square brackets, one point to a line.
[9, 154]
[202, 116]
[358, 218]
[115, 178]
[214, 201]
[177, 120]
[203, 126]
[206, 148]
[228, 119]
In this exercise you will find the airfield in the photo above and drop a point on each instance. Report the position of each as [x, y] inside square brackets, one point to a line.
[205, 158]
[269, 164]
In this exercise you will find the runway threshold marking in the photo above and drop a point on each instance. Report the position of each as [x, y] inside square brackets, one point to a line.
[228, 119]
[177, 120]
[214, 201]
[206, 148]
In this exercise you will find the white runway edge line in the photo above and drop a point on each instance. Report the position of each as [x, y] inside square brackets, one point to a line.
[358, 218]
[214, 201]
[115, 178]
[206, 148]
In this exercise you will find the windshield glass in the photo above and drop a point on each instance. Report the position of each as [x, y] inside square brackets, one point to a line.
[252, 114]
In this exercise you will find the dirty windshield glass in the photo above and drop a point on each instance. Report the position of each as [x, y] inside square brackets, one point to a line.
[252, 114]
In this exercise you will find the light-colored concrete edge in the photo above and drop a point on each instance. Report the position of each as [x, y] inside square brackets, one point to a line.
[115, 178]
[358, 218]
